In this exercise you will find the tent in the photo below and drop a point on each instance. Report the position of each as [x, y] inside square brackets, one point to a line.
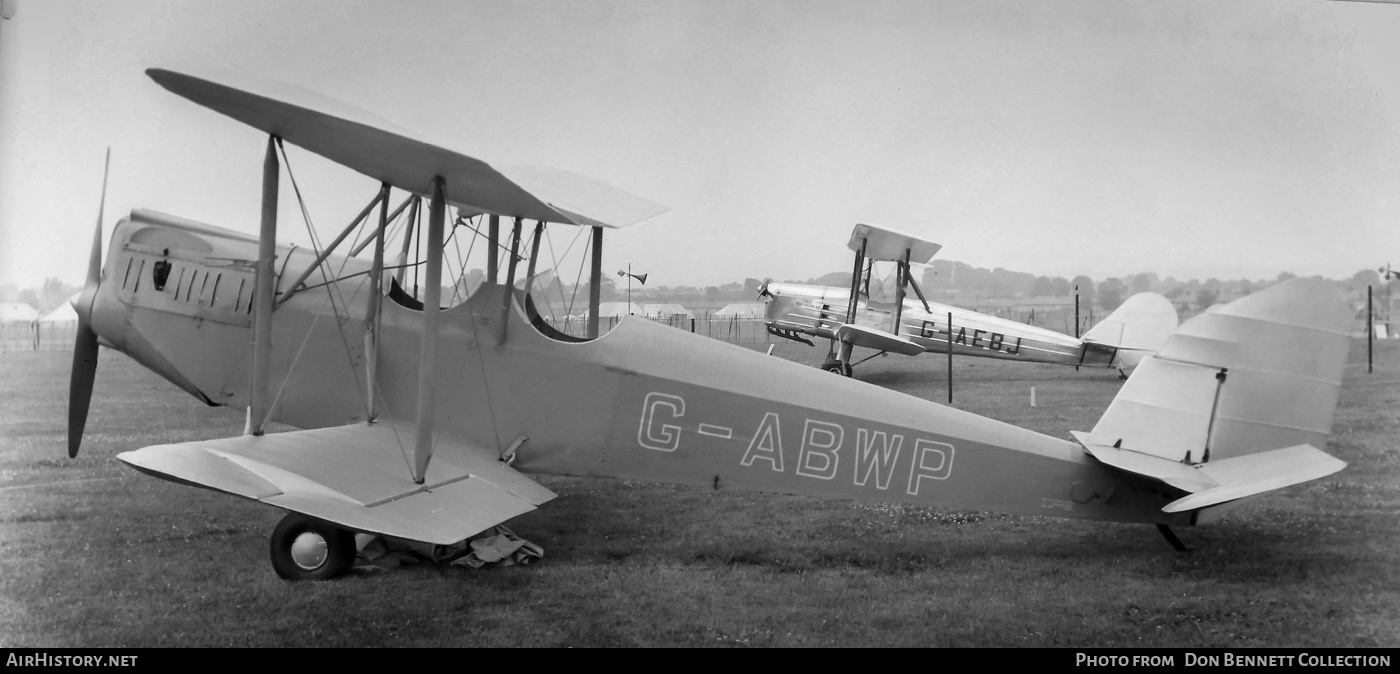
[615, 309]
[667, 311]
[64, 313]
[743, 310]
[18, 313]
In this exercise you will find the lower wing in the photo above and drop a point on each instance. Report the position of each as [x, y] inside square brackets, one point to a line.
[356, 476]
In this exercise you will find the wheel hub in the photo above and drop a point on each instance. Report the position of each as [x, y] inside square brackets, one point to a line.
[310, 550]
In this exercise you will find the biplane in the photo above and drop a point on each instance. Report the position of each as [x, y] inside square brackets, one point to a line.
[424, 423]
[892, 322]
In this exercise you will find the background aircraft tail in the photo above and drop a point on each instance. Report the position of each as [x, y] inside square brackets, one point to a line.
[1136, 329]
[1238, 401]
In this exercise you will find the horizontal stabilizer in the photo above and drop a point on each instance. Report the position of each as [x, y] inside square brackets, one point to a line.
[1180, 475]
[355, 476]
[870, 338]
[1221, 481]
[1253, 474]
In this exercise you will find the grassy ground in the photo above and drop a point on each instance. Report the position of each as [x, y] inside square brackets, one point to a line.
[95, 554]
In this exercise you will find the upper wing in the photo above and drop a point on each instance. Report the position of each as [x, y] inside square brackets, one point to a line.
[882, 243]
[879, 340]
[355, 476]
[385, 152]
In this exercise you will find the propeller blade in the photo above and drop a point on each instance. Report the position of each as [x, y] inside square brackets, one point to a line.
[80, 386]
[85, 345]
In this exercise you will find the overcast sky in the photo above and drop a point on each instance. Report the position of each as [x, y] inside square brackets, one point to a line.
[1192, 139]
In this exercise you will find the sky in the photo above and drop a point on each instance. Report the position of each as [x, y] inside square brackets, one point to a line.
[1193, 138]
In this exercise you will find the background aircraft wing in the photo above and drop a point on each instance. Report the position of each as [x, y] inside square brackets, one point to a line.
[356, 476]
[888, 245]
[879, 340]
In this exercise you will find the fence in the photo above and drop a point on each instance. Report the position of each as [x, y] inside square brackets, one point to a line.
[751, 330]
[37, 336]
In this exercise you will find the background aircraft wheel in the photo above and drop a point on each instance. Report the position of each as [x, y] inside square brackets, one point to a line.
[305, 548]
[837, 367]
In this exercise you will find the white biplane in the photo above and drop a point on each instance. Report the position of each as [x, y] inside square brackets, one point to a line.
[423, 423]
[897, 324]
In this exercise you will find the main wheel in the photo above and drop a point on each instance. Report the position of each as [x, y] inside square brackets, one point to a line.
[837, 367]
[305, 548]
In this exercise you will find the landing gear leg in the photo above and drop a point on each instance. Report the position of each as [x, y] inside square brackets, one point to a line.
[305, 548]
[1171, 538]
[840, 363]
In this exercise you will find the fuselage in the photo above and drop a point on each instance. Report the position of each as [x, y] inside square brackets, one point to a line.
[644, 401]
[819, 310]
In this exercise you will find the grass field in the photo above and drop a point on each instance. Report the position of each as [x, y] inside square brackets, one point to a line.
[95, 554]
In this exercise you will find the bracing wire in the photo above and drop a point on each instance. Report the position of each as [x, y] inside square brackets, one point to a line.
[331, 287]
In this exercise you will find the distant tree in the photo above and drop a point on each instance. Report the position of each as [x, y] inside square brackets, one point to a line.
[1285, 276]
[1085, 286]
[1366, 277]
[1144, 282]
[1041, 287]
[1060, 287]
[53, 293]
[932, 279]
[607, 291]
[1110, 294]
[1205, 298]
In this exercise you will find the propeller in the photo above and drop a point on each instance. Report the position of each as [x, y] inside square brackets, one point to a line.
[85, 346]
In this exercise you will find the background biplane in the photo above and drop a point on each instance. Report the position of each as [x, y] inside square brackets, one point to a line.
[898, 324]
[421, 423]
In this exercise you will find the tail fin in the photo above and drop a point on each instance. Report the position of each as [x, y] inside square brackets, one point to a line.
[1238, 401]
[1136, 329]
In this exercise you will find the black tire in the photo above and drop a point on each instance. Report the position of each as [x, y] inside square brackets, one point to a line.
[336, 545]
[837, 367]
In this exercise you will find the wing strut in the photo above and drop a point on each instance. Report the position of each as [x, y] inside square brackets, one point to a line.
[594, 283]
[407, 241]
[534, 252]
[901, 273]
[265, 283]
[376, 274]
[326, 253]
[375, 237]
[427, 357]
[918, 292]
[493, 237]
[847, 347]
[510, 280]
